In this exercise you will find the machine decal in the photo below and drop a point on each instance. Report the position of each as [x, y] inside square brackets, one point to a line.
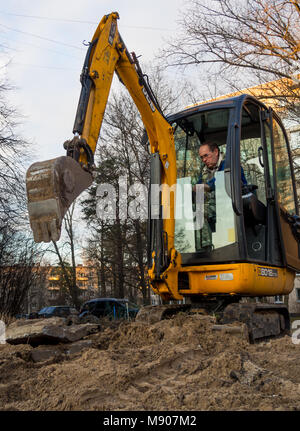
[211, 277]
[226, 276]
[267, 272]
[112, 32]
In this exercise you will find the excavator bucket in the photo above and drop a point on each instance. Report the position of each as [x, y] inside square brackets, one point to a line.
[52, 186]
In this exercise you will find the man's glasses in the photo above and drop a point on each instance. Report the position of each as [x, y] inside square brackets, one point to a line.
[205, 156]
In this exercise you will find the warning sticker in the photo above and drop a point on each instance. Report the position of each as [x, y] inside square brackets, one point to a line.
[267, 272]
[226, 276]
[211, 277]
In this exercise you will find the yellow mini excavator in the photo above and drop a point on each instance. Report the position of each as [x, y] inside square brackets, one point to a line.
[244, 240]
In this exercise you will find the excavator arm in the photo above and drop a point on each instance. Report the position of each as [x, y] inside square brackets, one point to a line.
[53, 185]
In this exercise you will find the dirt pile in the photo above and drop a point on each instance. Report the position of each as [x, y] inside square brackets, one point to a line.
[176, 364]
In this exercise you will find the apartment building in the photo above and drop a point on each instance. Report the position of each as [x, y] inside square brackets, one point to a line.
[50, 289]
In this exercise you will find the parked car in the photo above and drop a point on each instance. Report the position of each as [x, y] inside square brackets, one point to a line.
[109, 307]
[57, 310]
[32, 315]
[21, 316]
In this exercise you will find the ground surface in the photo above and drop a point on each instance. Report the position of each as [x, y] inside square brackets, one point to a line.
[176, 364]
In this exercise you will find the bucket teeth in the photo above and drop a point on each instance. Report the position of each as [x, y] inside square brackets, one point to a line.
[52, 186]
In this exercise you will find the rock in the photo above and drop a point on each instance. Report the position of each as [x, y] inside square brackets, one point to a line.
[47, 331]
[248, 374]
[72, 320]
[46, 353]
[78, 346]
[30, 322]
[251, 373]
[89, 318]
[77, 332]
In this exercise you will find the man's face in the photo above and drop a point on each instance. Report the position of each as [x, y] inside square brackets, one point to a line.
[210, 158]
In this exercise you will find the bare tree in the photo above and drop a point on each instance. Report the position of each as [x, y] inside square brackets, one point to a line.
[14, 153]
[94, 252]
[239, 43]
[19, 269]
[19, 255]
[67, 260]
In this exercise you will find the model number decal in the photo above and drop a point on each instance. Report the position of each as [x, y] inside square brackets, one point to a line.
[211, 277]
[267, 272]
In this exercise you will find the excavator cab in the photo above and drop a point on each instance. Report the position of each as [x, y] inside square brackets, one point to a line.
[247, 241]
[244, 241]
[254, 206]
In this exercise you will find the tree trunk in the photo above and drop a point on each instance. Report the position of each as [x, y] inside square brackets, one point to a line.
[119, 259]
[140, 250]
[72, 287]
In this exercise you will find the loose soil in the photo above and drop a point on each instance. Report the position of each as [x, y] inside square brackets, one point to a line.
[175, 364]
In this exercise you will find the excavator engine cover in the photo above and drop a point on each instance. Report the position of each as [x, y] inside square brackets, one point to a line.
[52, 186]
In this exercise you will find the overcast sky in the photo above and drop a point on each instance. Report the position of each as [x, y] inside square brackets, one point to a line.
[43, 42]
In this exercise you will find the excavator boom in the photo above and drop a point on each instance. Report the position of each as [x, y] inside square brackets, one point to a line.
[53, 185]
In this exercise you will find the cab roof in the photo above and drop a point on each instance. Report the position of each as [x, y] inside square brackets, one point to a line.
[226, 102]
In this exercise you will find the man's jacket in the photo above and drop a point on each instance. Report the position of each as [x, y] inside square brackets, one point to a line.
[211, 182]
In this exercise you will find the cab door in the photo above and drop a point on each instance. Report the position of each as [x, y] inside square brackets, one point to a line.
[285, 195]
[254, 167]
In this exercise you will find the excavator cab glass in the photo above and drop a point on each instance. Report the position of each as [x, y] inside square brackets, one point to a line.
[206, 232]
[249, 211]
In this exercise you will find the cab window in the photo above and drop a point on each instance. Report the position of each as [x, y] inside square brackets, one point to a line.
[285, 191]
[211, 225]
